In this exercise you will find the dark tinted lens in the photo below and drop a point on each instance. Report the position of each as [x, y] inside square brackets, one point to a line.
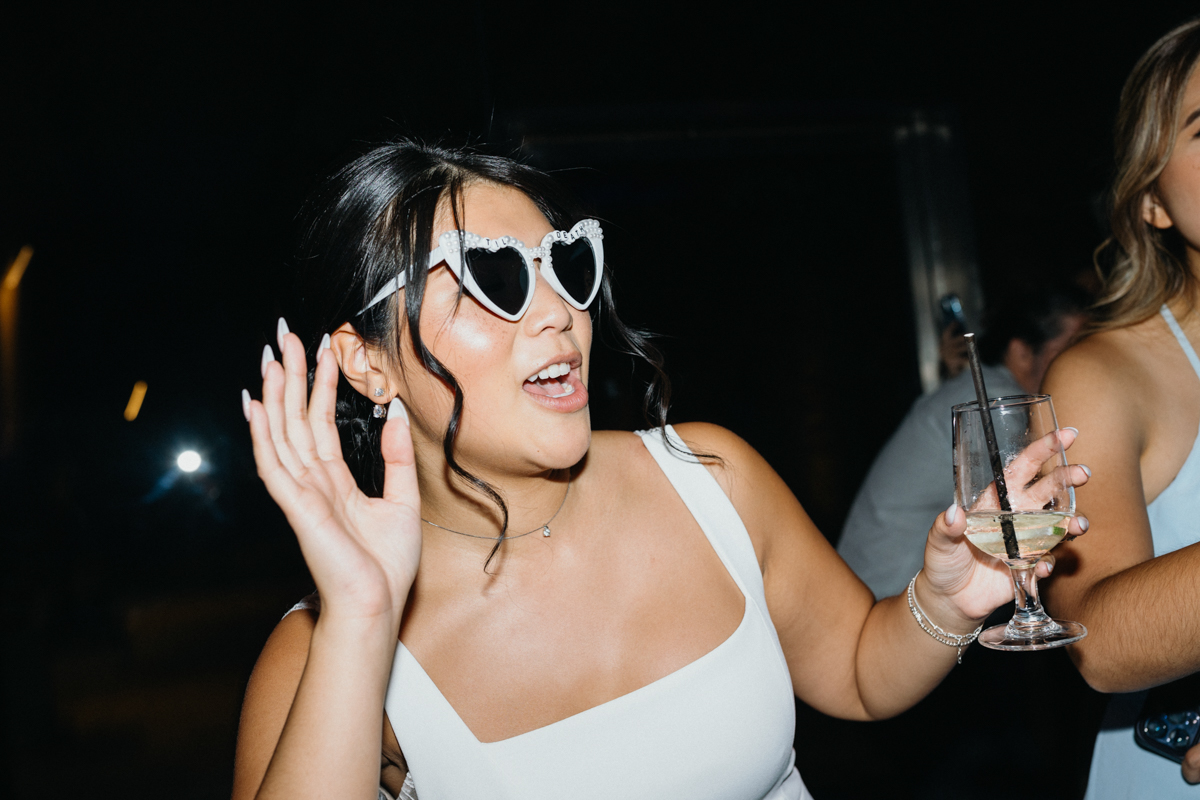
[575, 266]
[501, 276]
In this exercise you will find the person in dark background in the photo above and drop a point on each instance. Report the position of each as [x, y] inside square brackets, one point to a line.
[883, 535]
[1134, 384]
[648, 646]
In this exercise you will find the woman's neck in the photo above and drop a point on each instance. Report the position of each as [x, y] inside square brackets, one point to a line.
[454, 505]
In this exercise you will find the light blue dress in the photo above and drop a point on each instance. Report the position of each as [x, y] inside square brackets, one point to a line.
[1121, 769]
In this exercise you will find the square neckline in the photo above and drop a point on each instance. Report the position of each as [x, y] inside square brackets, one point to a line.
[591, 710]
[670, 677]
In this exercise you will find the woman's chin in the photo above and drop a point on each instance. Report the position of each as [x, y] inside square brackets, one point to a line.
[568, 445]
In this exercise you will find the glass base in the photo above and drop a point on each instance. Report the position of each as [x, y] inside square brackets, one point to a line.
[1010, 637]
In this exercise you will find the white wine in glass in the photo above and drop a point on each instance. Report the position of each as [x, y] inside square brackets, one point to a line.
[1025, 518]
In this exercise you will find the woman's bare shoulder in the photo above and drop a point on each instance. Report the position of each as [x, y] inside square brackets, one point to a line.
[1101, 354]
[730, 456]
[281, 663]
[1116, 369]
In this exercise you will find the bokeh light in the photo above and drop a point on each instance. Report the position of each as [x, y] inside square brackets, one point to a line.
[188, 461]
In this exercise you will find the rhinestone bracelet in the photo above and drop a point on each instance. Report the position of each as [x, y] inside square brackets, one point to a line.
[945, 637]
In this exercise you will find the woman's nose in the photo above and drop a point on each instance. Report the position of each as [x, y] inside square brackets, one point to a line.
[547, 310]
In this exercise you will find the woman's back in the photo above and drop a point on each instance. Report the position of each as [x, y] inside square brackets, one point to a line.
[1142, 375]
[1145, 381]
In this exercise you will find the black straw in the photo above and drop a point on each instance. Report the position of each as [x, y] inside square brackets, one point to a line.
[989, 433]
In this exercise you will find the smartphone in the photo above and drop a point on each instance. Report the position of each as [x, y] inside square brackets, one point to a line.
[1169, 722]
[952, 312]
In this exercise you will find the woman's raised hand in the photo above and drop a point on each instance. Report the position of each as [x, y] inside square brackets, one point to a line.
[973, 582]
[362, 552]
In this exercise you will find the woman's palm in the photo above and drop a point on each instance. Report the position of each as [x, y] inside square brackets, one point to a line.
[363, 552]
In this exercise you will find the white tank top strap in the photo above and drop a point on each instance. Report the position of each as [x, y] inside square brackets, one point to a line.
[1188, 350]
[712, 509]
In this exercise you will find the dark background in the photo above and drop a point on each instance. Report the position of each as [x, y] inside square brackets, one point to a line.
[154, 156]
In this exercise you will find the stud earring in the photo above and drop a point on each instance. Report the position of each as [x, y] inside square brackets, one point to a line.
[379, 392]
[378, 412]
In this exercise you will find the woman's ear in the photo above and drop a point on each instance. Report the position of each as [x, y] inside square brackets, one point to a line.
[1154, 213]
[359, 363]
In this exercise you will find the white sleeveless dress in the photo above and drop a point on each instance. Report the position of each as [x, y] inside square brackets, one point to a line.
[720, 727]
[1121, 769]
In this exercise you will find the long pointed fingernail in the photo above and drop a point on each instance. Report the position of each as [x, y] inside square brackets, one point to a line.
[396, 410]
[246, 405]
[1086, 470]
[951, 513]
[281, 330]
[322, 347]
[267, 358]
[1083, 523]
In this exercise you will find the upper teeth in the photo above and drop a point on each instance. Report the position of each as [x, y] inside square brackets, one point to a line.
[552, 371]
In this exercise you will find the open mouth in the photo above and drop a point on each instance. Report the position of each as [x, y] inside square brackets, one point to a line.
[554, 381]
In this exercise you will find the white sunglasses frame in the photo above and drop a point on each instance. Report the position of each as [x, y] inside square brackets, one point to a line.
[451, 244]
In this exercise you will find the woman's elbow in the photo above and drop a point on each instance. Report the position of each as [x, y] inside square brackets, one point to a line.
[1109, 672]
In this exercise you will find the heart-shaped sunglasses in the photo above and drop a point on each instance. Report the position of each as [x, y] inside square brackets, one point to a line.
[499, 273]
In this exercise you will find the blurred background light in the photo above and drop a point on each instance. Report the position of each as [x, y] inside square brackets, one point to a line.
[16, 269]
[188, 461]
[8, 348]
[135, 404]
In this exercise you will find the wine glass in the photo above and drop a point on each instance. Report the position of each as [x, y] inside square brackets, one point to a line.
[1020, 518]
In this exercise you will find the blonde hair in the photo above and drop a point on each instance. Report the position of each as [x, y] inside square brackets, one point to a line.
[1146, 266]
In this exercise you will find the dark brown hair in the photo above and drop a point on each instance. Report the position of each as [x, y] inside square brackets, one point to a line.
[374, 219]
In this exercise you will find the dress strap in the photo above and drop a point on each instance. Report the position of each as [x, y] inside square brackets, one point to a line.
[1188, 350]
[711, 508]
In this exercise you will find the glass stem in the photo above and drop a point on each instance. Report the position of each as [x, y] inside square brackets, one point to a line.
[1029, 618]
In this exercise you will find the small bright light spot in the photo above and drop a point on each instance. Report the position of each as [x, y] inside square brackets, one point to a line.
[188, 461]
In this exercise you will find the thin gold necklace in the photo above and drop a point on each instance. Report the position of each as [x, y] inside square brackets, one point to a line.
[544, 528]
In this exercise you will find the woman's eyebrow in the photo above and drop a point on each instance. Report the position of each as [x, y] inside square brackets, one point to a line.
[1191, 118]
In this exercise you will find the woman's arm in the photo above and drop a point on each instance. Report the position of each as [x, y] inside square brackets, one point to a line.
[1140, 611]
[850, 656]
[269, 696]
[312, 722]
[328, 695]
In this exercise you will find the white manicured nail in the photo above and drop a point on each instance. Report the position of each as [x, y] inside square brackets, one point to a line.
[281, 330]
[267, 358]
[246, 405]
[1069, 428]
[1086, 470]
[396, 410]
[1083, 523]
[951, 513]
[322, 347]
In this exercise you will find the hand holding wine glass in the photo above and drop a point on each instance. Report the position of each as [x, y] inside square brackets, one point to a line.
[1019, 513]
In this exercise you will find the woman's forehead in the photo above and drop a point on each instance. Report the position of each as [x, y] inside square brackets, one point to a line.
[492, 210]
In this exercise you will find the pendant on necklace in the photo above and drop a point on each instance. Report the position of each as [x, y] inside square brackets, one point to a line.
[545, 530]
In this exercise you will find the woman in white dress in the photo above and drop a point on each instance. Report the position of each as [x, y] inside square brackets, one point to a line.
[513, 605]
